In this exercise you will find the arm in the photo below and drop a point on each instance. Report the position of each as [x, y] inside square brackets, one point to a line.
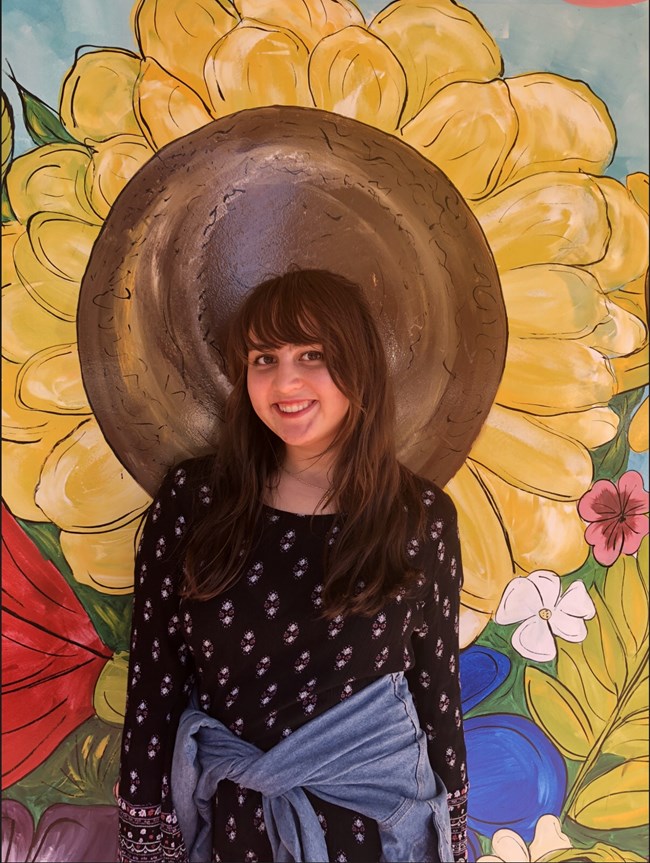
[434, 680]
[159, 682]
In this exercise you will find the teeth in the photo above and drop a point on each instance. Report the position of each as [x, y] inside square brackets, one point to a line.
[292, 409]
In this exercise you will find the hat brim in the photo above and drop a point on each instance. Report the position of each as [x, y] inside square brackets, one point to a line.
[252, 195]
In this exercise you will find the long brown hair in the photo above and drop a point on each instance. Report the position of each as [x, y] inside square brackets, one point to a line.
[378, 498]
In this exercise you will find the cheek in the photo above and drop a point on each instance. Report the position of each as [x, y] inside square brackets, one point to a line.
[254, 388]
[340, 402]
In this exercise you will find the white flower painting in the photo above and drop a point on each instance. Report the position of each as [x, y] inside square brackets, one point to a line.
[534, 601]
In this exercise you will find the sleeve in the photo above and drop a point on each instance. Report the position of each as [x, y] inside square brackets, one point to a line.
[434, 679]
[159, 682]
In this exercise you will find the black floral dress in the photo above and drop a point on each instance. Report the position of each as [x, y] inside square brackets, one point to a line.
[265, 661]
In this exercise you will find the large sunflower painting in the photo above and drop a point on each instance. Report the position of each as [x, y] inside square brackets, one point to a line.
[552, 499]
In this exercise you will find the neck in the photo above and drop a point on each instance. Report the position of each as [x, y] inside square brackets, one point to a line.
[317, 469]
[302, 486]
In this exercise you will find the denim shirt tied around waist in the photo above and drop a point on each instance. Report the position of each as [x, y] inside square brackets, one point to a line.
[367, 753]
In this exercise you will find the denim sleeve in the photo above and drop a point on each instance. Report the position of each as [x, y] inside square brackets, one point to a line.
[160, 679]
[434, 680]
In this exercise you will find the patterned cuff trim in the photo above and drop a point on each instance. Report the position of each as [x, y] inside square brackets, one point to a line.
[148, 833]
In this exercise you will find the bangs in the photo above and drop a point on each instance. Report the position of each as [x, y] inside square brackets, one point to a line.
[281, 317]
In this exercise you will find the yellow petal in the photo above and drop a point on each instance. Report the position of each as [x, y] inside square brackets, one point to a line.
[19, 422]
[166, 108]
[633, 297]
[51, 259]
[113, 164]
[626, 255]
[27, 327]
[179, 35]
[638, 186]
[592, 427]
[97, 95]
[50, 179]
[109, 697]
[631, 371]
[487, 565]
[105, 560]
[62, 243]
[531, 457]
[354, 73]
[10, 233]
[472, 624]
[542, 532]
[554, 217]
[563, 126]
[23, 463]
[620, 333]
[550, 376]
[552, 300]
[467, 130]
[638, 431]
[255, 65]
[51, 381]
[83, 487]
[56, 294]
[437, 43]
[308, 20]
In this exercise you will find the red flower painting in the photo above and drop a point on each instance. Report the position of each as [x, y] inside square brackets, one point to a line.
[617, 515]
[51, 656]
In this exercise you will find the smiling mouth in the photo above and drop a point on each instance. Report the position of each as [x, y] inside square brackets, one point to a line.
[294, 408]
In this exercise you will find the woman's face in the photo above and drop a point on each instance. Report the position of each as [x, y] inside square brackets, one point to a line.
[292, 392]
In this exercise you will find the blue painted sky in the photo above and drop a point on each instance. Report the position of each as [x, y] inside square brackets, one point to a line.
[607, 48]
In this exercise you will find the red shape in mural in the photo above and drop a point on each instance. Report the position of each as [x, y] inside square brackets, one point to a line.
[51, 656]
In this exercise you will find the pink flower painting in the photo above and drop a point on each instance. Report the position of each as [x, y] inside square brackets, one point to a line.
[617, 516]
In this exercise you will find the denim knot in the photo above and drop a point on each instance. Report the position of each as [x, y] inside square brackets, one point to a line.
[367, 754]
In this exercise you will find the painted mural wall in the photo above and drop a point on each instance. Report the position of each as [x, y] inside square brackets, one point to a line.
[536, 112]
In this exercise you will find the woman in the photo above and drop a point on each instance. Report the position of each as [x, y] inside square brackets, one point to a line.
[302, 582]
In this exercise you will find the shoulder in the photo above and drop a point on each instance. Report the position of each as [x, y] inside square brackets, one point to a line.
[434, 501]
[439, 541]
[188, 472]
[186, 482]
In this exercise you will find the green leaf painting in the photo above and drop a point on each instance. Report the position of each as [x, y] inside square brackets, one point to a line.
[42, 122]
[597, 707]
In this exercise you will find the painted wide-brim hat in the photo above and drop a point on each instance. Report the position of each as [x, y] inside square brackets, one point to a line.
[252, 195]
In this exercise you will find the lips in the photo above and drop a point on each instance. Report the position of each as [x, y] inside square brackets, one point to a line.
[293, 407]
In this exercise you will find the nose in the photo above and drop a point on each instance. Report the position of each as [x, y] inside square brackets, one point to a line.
[287, 377]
